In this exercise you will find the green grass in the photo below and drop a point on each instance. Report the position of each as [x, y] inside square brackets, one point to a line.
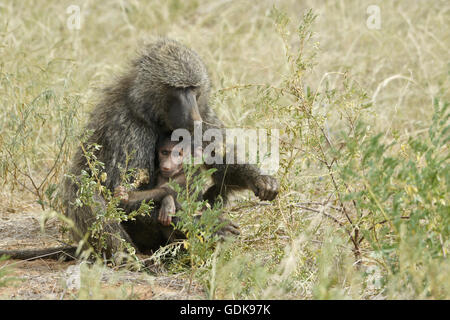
[321, 82]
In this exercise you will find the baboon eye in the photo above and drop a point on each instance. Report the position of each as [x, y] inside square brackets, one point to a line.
[196, 91]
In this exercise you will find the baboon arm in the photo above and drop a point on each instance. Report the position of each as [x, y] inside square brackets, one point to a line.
[233, 177]
[156, 195]
[179, 179]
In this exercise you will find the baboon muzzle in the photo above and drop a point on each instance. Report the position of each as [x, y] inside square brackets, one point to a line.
[183, 109]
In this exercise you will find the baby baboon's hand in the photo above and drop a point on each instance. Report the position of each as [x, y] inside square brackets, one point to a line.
[168, 208]
[265, 187]
[121, 192]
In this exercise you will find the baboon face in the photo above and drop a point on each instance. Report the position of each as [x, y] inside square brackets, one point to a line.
[170, 156]
[183, 108]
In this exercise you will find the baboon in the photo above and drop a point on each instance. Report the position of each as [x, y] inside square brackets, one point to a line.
[167, 87]
[170, 160]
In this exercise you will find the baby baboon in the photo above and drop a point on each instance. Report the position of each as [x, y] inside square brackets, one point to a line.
[166, 88]
[170, 159]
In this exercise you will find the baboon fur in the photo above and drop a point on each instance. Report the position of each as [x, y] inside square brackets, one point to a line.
[129, 120]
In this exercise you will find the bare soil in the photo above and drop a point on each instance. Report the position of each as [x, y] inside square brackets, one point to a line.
[20, 228]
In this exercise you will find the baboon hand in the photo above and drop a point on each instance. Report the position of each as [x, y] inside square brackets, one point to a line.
[265, 187]
[121, 192]
[167, 209]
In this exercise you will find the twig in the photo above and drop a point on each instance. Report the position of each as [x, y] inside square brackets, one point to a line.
[320, 204]
[55, 162]
[321, 212]
[266, 238]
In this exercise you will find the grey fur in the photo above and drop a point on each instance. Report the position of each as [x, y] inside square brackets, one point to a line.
[131, 117]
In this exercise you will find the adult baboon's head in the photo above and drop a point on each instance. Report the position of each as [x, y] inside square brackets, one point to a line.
[171, 85]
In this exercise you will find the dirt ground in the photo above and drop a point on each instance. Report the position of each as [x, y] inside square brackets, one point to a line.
[20, 228]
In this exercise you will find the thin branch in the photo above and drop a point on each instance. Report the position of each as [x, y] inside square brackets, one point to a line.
[55, 162]
[319, 211]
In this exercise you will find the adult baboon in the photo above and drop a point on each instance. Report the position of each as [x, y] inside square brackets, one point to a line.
[166, 88]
